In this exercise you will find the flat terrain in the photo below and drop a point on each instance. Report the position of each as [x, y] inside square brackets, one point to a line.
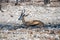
[45, 14]
[30, 34]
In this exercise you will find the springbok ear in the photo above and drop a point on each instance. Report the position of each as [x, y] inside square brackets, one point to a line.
[27, 15]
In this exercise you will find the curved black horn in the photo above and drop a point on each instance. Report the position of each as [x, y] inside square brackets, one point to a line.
[22, 14]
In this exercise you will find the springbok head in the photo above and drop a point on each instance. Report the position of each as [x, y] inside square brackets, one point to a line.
[22, 15]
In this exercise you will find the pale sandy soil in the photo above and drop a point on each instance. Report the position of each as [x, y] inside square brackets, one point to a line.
[45, 14]
[30, 34]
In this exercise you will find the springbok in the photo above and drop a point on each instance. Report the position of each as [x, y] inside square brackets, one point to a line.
[30, 23]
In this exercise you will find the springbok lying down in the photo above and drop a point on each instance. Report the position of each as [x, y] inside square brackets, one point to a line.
[30, 23]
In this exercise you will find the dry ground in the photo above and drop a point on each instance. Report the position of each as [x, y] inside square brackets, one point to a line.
[30, 34]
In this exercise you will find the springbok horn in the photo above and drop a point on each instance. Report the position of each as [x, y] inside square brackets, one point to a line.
[22, 14]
